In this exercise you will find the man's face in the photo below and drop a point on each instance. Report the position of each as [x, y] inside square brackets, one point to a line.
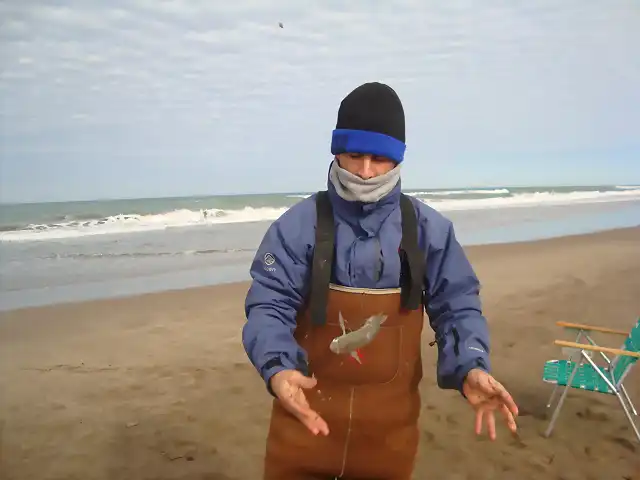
[364, 165]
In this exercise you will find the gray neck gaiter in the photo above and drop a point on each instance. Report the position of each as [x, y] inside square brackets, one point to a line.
[355, 189]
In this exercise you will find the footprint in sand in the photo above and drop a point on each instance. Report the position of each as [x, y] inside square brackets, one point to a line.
[428, 436]
[451, 420]
[624, 443]
[237, 390]
[589, 414]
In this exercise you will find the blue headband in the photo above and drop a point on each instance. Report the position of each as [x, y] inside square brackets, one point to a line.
[362, 141]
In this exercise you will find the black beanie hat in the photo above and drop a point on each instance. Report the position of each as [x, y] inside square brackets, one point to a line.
[370, 120]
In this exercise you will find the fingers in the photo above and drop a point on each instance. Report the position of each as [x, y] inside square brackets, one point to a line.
[312, 420]
[508, 416]
[296, 403]
[495, 388]
[315, 423]
[299, 380]
[485, 414]
[491, 424]
[508, 402]
[506, 399]
[479, 415]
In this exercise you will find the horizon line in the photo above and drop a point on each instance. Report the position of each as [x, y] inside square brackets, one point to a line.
[301, 192]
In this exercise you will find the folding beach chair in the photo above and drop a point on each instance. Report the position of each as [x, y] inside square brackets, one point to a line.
[580, 370]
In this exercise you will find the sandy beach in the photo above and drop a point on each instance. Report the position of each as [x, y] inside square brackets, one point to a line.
[158, 386]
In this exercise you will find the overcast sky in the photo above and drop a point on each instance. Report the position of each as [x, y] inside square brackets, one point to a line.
[137, 98]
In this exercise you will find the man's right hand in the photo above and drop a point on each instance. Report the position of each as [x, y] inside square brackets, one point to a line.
[288, 386]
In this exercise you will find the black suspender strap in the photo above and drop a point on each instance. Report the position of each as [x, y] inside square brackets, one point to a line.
[411, 258]
[322, 259]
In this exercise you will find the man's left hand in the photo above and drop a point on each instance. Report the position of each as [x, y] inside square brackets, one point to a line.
[486, 395]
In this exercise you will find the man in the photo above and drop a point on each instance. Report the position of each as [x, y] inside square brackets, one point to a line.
[334, 261]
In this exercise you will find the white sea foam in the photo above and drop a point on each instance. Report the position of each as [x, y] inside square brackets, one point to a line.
[185, 217]
[444, 193]
[535, 199]
[141, 223]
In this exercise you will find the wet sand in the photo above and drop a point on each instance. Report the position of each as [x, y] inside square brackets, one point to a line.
[158, 386]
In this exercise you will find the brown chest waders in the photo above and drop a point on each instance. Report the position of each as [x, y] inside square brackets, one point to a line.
[371, 408]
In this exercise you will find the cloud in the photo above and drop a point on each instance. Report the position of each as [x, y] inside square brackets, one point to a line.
[200, 75]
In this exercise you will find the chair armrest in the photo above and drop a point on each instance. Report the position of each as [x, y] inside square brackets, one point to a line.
[595, 348]
[592, 328]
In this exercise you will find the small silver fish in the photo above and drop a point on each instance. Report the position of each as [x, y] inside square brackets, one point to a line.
[352, 341]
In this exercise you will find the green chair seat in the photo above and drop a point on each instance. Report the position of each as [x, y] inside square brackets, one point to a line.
[586, 378]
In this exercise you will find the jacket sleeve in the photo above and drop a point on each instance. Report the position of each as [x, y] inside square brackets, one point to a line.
[279, 274]
[452, 302]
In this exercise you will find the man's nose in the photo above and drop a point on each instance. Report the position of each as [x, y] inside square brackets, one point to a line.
[366, 171]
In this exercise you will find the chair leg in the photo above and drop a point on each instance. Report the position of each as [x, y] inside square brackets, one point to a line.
[556, 411]
[553, 394]
[629, 417]
[555, 388]
[626, 396]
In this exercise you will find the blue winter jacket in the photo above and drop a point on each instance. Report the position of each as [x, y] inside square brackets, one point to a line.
[367, 240]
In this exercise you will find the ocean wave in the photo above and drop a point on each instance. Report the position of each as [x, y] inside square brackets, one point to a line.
[535, 199]
[116, 255]
[444, 193]
[128, 223]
